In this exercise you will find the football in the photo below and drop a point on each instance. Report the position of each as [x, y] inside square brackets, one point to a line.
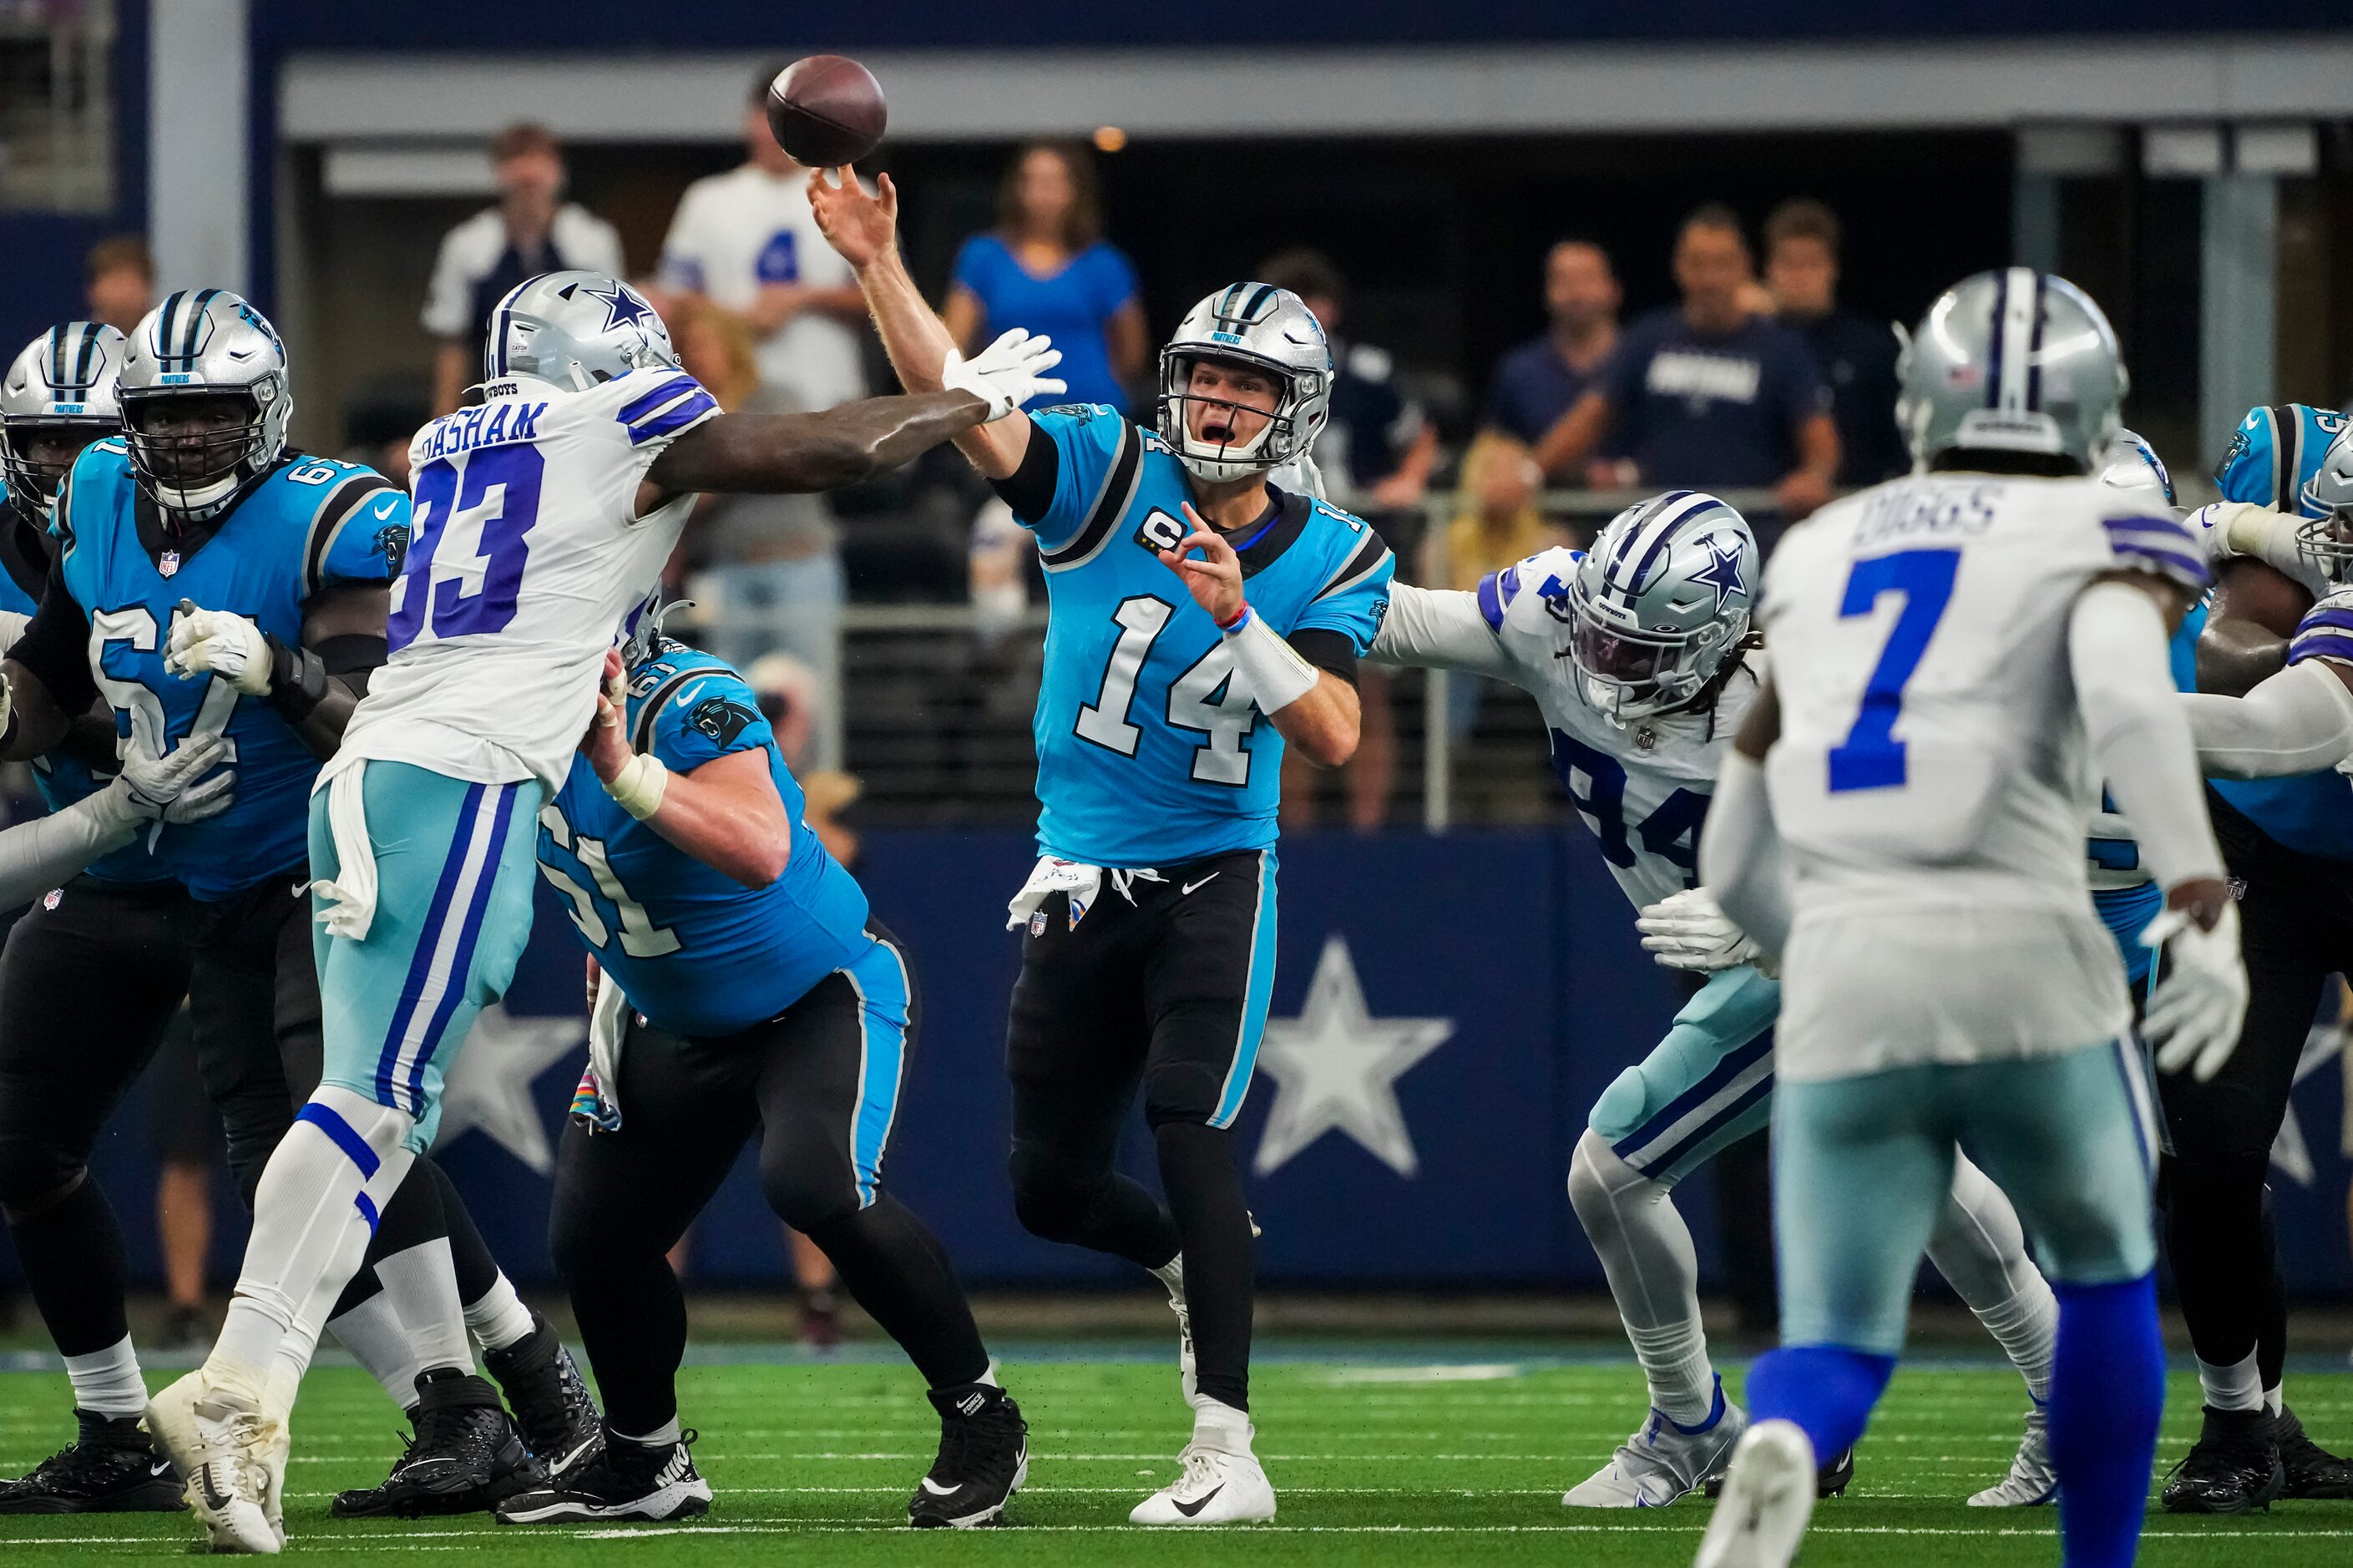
[826, 111]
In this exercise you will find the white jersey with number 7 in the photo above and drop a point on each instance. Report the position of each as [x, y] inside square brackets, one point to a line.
[525, 555]
[1932, 779]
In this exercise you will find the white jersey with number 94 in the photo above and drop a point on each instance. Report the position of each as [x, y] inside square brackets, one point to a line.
[526, 553]
[1641, 785]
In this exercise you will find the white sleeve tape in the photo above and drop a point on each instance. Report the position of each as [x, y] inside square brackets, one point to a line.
[638, 787]
[1277, 676]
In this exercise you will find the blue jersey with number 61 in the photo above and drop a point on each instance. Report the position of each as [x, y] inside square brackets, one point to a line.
[1148, 755]
[696, 951]
[310, 525]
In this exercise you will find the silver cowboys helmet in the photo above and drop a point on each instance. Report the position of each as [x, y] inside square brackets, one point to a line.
[1268, 328]
[2132, 464]
[2327, 538]
[1660, 603]
[573, 329]
[62, 385]
[2014, 361]
[203, 343]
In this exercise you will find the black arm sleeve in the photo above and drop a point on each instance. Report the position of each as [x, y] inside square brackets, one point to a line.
[352, 657]
[1326, 649]
[56, 647]
[1029, 489]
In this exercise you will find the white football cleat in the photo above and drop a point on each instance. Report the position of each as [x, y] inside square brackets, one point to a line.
[1663, 1461]
[2031, 1481]
[1769, 1496]
[223, 1447]
[1221, 1483]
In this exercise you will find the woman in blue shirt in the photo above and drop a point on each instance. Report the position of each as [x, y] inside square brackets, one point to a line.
[1046, 266]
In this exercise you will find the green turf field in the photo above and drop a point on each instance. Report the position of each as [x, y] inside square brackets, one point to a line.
[1376, 1460]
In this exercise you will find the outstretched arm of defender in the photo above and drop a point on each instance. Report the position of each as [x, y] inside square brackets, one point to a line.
[865, 230]
[727, 813]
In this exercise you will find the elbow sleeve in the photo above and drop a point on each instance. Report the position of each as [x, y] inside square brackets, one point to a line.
[2299, 721]
[2139, 731]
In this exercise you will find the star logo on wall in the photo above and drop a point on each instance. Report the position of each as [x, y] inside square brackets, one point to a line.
[2289, 1151]
[489, 1089]
[1336, 1068]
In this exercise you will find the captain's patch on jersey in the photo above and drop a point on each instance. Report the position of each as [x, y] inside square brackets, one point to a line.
[1160, 530]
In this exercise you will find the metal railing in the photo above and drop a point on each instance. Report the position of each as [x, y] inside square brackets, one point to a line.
[937, 707]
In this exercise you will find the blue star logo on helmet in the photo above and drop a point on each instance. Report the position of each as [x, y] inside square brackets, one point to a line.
[1723, 570]
[623, 306]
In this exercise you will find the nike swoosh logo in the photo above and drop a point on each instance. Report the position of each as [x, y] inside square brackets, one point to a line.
[158, 1469]
[936, 1489]
[216, 1498]
[1204, 882]
[1192, 1510]
[386, 510]
[687, 695]
[302, 888]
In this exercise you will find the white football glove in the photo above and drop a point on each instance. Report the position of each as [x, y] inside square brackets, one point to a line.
[1687, 931]
[215, 642]
[165, 789]
[2194, 1015]
[1006, 374]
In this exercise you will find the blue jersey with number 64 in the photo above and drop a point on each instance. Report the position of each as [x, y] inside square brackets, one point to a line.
[310, 525]
[1147, 753]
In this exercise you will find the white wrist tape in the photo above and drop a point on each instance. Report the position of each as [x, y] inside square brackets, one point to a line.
[638, 787]
[1275, 674]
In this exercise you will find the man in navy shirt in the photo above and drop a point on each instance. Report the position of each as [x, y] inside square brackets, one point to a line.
[1541, 379]
[1857, 355]
[1707, 396]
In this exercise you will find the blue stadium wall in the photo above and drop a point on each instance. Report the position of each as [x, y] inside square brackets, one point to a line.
[1519, 940]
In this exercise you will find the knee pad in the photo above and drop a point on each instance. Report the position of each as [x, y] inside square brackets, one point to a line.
[35, 1178]
[803, 1175]
[1051, 1198]
[1621, 1108]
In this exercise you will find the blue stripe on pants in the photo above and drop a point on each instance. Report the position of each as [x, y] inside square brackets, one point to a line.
[1256, 994]
[462, 965]
[421, 963]
[884, 1001]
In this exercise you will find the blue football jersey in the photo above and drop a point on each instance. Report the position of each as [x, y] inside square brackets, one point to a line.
[696, 951]
[311, 524]
[2273, 454]
[1146, 756]
[60, 780]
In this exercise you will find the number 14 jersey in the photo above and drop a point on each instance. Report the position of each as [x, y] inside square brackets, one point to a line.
[525, 555]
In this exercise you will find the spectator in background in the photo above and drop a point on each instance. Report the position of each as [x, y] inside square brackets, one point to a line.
[1706, 394]
[1541, 379]
[1375, 457]
[1496, 525]
[119, 281]
[531, 231]
[745, 242]
[1047, 267]
[1857, 355]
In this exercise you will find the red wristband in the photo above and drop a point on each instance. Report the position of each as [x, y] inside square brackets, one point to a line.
[1241, 618]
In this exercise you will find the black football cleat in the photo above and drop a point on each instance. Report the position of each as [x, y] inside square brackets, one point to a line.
[2312, 1471]
[558, 1417]
[983, 1459]
[2233, 1467]
[466, 1457]
[111, 1467]
[619, 1480]
[1830, 1480]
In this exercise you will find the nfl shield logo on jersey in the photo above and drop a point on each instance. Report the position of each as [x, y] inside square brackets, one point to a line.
[1038, 922]
[168, 563]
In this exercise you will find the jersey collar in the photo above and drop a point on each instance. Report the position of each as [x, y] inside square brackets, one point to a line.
[1264, 540]
[157, 538]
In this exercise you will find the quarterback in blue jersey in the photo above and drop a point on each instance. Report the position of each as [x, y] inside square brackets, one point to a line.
[211, 585]
[1201, 622]
[744, 992]
[2288, 844]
